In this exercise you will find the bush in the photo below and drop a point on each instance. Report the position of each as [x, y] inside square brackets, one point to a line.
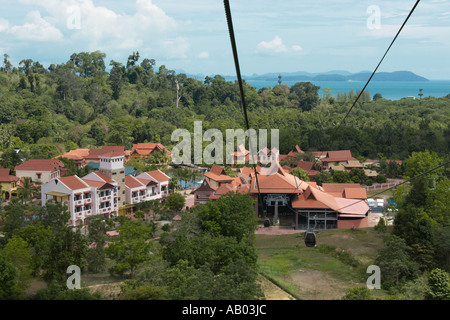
[148, 292]
[381, 226]
[439, 285]
[381, 178]
[361, 293]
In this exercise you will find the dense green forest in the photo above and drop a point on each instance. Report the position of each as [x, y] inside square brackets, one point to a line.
[87, 102]
[45, 112]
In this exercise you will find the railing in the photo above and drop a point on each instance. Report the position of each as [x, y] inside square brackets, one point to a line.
[382, 185]
[105, 198]
[135, 200]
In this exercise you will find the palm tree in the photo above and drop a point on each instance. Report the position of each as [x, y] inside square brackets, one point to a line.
[186, 176]
[25, 190]
[196, 175]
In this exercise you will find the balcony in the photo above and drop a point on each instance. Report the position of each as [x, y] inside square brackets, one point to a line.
[88, 200]
[105, 210]
[105, 198]
[135, 200]
[164, 193]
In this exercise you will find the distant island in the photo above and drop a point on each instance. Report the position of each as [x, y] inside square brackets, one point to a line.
[335, 76]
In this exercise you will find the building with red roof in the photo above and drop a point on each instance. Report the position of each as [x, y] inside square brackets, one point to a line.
[161, 189]
[287, 200]
[9, 183]
[147, 149]
[83, 156]
[40, 170]
[106, 192]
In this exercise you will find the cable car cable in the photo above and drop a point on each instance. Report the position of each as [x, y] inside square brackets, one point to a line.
[241, 87]
[370, 78]
[406, 181]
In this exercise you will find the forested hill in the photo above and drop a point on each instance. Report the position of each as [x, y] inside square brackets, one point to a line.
[47, 111]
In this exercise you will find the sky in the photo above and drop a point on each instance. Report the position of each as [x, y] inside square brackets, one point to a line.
[192, 36]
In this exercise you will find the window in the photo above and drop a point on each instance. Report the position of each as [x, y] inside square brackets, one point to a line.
[104, 205]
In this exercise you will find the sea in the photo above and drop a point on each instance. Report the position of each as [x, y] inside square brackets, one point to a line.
[392, 90]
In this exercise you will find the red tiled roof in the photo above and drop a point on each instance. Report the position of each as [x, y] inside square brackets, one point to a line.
[145, 149]
[158, 175]
[132, 182]
[314, 198]
[104, 150]
[76, 154]
[217, 173]
[40, 165]
[247, 171]
[305, 165]
[112, 154]
[338, 155]
[223, 189]
[146, 181]
[205, 186]
[355, 193]
[104, 177]
[73, 182]
[217, 170]
[345, 190]
[92, 154]
[339, 187]
[279, 182]
[5, 175]
[93, 183]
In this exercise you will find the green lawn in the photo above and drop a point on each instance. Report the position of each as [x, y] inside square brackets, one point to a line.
[325, 272]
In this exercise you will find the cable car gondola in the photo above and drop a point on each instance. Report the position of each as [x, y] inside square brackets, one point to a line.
[310, 238]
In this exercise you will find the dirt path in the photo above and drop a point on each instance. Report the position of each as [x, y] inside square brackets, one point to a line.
[108, 290]
[272, 291]
[316, 285]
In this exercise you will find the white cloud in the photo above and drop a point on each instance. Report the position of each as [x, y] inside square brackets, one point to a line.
[176, 48]
[273, 46]
[432, 33]
[203, 55]
[4, 25]
[276, 46]
[36, 29]
[96, 27]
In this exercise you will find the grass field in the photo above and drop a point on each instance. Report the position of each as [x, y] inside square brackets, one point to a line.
[326, 272]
